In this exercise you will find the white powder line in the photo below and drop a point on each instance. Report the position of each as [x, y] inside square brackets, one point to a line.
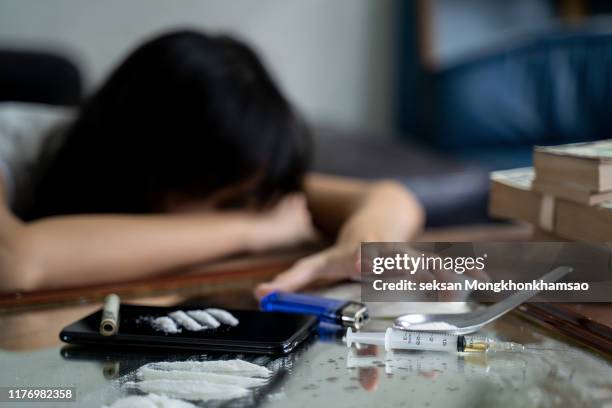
[149, 401]
[223, 316]
[204, 318]
[165, 324]
[190, 389]
[236, 367]
[193, 320]
[187, 322]
[146, 373]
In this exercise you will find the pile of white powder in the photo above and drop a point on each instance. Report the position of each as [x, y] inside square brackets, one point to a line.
[192, 320]
[169, 383]
[150, 401]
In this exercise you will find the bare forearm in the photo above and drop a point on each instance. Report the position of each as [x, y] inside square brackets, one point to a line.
[95, 249]
[359, 210]
[381, 211]
[387, 212]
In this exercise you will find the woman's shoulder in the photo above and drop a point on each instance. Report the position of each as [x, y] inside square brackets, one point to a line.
[27, 130]
[25, 127]
[19, 113]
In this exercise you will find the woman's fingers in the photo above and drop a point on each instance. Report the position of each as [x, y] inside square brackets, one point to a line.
[480, 275]
[295, 278]
[332, 265]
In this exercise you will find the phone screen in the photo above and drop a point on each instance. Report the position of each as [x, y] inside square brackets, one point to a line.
[257, 332]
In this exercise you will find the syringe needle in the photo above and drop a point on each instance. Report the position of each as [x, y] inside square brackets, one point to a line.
[506, 346]
[550, 349]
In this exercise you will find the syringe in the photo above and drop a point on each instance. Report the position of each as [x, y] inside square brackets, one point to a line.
[395, 339]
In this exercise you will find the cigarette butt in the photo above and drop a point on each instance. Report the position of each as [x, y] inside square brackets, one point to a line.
[110, 315]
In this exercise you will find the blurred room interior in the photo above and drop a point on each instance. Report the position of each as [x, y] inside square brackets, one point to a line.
[435, 93]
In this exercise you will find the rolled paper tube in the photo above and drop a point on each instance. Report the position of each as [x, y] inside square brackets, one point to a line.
[110, 316]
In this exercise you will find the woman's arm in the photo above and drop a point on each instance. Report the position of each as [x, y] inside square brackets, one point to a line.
[355, 211]
[76, 250]
[358, 210]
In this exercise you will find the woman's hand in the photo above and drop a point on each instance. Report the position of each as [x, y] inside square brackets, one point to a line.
[356, 211]
[287, 223]
[337, 263]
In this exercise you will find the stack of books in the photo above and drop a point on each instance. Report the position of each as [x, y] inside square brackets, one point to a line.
[566, 195]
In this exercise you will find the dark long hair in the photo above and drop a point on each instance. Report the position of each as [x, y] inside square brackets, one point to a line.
[185, 113]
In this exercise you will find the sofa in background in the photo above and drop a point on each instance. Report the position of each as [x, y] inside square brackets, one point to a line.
[452, 192]
[31, 76]
[490, 110]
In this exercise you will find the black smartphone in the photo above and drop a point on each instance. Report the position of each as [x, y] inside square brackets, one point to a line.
[258, 332]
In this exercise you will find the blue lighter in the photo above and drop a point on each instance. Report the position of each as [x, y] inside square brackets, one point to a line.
[342, 312]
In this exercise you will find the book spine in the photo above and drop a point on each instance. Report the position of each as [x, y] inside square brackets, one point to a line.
[568, 220]
[552, 168]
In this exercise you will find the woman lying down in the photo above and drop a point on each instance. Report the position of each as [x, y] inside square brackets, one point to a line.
[189, 152]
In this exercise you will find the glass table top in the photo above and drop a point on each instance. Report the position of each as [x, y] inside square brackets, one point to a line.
[324, 372]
